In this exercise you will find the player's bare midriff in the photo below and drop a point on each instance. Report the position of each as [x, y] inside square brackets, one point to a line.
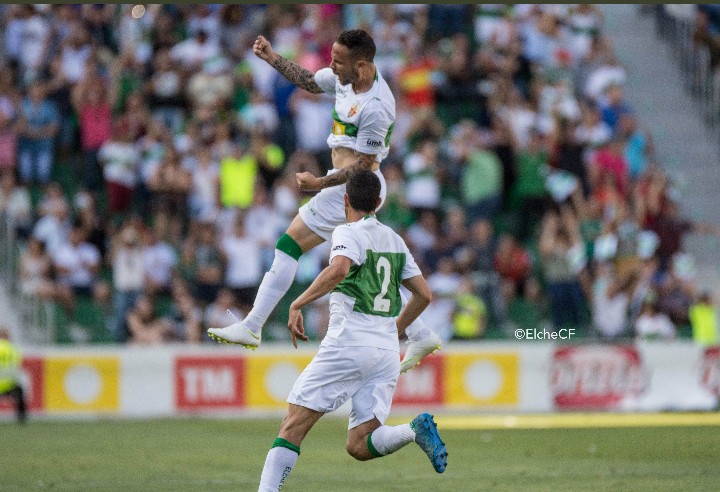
[343, 157]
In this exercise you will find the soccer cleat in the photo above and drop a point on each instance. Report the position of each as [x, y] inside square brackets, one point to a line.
[237, 334]
[427, 437]
[418, 350]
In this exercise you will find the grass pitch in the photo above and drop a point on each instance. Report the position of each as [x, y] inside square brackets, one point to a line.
[220, 455]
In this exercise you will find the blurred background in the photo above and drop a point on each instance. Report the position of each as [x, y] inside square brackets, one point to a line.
[552, 167]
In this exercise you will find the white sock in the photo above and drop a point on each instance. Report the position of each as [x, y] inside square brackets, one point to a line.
[274, 286]
[388, 439]
[278, 465]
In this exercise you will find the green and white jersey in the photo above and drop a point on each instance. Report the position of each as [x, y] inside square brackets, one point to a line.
[362, 122]
[365, 305]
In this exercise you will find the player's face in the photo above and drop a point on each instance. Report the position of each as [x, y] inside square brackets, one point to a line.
[342, 65]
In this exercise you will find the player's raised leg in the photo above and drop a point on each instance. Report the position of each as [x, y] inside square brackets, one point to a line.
[297, 240]
[373, 440]
[422, 341]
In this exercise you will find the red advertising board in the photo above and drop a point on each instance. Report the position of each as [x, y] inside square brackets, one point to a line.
[422, 385]
[710, 370]
[32, 382]
[209, 382]
[595, 377]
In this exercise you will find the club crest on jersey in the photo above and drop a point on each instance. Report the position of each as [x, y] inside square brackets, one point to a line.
[353, 110]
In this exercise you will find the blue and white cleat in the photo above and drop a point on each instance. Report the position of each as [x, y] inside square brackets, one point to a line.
[427, 437]
[236, 333]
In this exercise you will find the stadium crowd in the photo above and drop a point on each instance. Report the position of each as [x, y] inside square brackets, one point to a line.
[148, 162]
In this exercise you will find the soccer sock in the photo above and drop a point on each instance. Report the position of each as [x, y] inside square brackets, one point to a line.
[418, 331]
[275, 283]
[279, 463]
[387, 439]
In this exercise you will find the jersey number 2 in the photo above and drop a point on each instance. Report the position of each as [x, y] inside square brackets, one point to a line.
[381, 304]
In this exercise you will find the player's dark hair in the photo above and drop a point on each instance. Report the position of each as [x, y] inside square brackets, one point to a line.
[363, 190]
[359, 43]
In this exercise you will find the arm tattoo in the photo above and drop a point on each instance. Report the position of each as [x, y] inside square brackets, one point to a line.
[301, 77]
[364, 162]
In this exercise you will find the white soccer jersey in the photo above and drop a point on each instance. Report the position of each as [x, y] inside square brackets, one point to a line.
[362, 122]
[365, 305]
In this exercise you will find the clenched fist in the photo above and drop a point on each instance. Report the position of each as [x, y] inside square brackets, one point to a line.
[263, 49]
[308, 182]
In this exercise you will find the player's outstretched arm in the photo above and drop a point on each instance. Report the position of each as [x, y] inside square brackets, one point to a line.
[296, 74]
[419, 300]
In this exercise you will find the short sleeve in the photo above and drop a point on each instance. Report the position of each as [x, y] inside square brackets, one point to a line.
[344, 243]
[411, 269]
[375, 123]
[326, 79]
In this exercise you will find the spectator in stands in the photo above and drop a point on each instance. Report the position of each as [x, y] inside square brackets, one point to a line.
[611, 301]
[671, 229]
[77, 264]
[422, 187]
[169, 186]
[166, 94]
[159, 261]
[470, 315]
[653, 324]
[678, 290]
[563, 257]
[120, 160]
[243, 271]
[53, 229]
[512, 261]
[36, 271]
[184, 317]
[444, 284]
[8, 138]
[208, 262]
[15, 203]
[480, 252]
[638, 145]
[146, 327]
[706, 35]
[128, 278]
[38, 126]
[482, 183]
[95, 121]
[529, 191]
[703, 319]
[614, 105]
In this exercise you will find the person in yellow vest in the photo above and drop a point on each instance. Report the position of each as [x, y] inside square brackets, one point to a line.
[10, 360]
[470, 317]
[703, 319]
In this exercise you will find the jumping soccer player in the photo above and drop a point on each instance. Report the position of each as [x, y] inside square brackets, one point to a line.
[358, 358]
[363, 116]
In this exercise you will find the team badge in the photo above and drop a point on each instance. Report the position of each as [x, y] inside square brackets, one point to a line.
[353, 111]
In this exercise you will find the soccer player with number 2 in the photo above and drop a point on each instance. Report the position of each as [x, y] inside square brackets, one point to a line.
[358, 358]
[363, 115]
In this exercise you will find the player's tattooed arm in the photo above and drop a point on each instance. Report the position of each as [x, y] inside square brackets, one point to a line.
[307, 182]
[301, 77]
[296, 74]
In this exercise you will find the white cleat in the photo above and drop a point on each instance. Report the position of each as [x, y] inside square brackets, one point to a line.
[237, 333]
[418, 350]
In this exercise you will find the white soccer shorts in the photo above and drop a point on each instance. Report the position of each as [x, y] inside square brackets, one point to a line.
[326, 210]
[367, 375]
